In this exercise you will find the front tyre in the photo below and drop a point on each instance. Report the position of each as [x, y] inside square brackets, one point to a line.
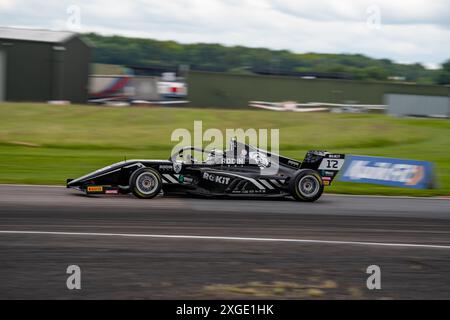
[145, 183]
[306, 185]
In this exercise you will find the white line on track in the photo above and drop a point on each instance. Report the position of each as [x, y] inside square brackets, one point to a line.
[166, 236]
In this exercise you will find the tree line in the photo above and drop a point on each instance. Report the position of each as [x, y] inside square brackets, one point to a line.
[243, 60]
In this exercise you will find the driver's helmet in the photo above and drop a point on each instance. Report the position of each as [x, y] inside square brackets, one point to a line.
[260, 159]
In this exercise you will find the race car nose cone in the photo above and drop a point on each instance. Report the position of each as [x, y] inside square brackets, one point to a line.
[71, 183]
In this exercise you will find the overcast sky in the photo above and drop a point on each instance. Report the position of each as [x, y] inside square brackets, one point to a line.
[405, 31]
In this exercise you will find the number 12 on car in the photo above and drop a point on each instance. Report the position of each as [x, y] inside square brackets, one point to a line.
[331, 164]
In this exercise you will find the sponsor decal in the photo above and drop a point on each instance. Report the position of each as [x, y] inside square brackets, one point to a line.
[233, 161]
[249, 191]
[216, 178]
[177, 167]
[388, 171]
[113, 191]
[326, 181]
[165, 167]
[336, 156]
[293, 163]
[95, 189]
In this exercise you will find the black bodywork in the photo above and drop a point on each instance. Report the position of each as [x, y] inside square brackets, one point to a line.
[237, 172]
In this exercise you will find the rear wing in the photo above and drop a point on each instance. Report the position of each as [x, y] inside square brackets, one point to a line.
[325, 163]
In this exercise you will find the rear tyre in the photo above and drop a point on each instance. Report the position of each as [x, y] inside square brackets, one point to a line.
[145, 183]
[306, 185]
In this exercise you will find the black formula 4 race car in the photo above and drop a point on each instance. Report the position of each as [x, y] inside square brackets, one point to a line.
[240, 171]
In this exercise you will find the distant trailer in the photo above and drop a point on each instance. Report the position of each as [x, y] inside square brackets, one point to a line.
[418, 105]
[106, 87]
[129, 87]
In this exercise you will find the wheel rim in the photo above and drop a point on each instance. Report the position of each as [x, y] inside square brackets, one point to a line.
[308, 186]
[146, 183]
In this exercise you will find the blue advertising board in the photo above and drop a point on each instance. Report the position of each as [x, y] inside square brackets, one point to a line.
[388, 171]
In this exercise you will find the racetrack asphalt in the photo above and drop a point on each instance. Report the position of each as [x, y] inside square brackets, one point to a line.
[168, 247]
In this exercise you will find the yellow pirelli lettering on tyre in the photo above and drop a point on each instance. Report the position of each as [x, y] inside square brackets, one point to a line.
[95, 189]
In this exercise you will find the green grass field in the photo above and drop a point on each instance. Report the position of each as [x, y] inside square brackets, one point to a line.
[43, 144]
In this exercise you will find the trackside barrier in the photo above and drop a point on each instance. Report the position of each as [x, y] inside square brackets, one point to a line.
[388, 171]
